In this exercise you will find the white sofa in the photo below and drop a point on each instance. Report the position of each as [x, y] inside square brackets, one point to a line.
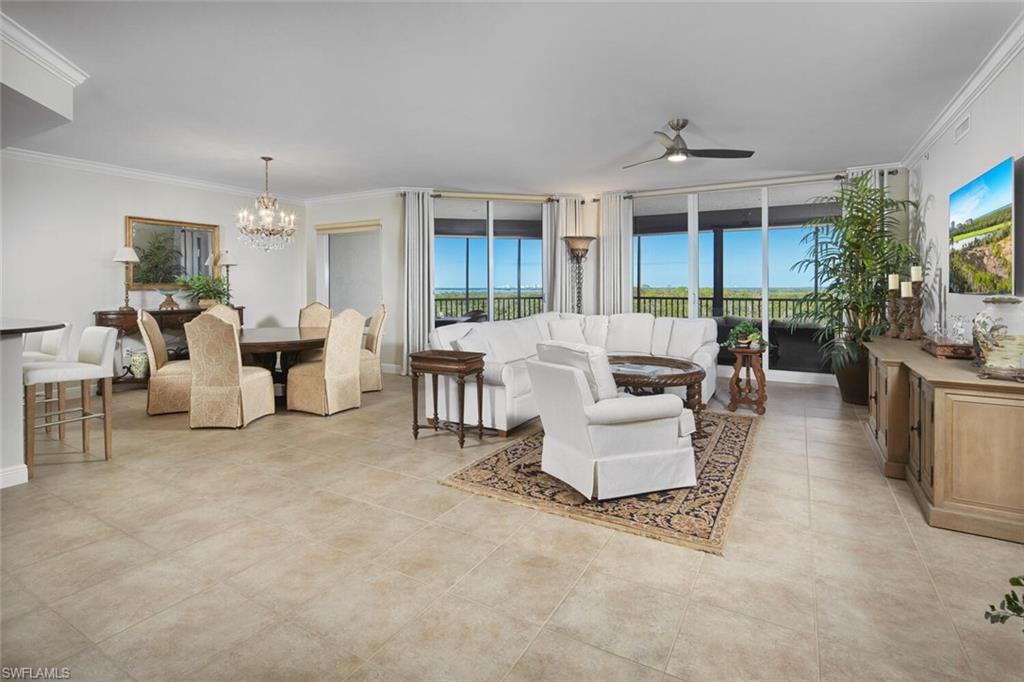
[508, 396]
[603, 443]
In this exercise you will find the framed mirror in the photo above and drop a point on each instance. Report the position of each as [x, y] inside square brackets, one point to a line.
[168, 249]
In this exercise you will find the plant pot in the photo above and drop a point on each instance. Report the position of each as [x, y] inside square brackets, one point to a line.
[853, 380]
[205, 303]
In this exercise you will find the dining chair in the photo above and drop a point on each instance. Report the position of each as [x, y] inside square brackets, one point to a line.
[170, 381]
[370, 375]
[223, 393]
[332, 384]
[314, 315]
[95, 362]
[46, 347]
[226, 313]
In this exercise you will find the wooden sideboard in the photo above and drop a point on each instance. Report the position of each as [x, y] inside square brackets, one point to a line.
[126, 322]
[957, 439]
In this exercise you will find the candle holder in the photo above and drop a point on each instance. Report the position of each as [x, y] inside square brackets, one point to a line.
[893, 313]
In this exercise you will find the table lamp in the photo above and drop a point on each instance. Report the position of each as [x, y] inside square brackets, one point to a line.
[225, 260]
[126, 255]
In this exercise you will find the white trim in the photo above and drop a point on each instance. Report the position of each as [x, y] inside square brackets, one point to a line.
[17, 154]
[389, 368]
[790, 377]
[740, 184]
[1004, 52]
[26, 43]
[15, 475]
[364, 194]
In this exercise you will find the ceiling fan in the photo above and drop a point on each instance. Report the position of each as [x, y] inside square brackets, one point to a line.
[676, 150]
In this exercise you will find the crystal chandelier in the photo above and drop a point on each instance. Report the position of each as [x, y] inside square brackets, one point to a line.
[268, 228]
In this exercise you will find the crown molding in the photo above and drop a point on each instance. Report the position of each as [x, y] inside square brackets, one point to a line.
[998, 58]
[363, 194]
[25, 42]
[14, 153]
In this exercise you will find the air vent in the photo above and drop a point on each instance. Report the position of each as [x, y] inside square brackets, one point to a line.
[962, 128]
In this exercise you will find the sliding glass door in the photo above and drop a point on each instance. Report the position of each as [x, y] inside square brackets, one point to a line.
[661, 256]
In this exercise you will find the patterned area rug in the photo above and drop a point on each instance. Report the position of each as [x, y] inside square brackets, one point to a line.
[696, 517]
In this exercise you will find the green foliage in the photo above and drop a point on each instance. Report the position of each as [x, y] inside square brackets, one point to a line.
[159, 262]
[745, 330]
[967, 271]
[990, 219]
[854, 253]
[1010, 607]
[204, 287]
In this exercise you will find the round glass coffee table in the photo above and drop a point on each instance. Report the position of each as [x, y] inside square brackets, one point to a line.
[652, 374]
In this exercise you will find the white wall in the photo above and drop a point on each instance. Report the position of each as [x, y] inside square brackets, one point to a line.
[997, 132]
[61, 226]
[387, 207]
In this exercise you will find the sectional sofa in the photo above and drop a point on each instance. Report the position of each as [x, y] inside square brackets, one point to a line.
[508, 398]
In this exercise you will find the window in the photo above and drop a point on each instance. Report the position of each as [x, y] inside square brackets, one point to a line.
[661, 256]
[470, 235]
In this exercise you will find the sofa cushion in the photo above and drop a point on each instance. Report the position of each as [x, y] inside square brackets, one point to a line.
[542, 319]
[591, 360]
[569, 331]
[529, 335]
[595, 330]
[473, 341]
[505, 341]
[689, 335]
[630, 333]
[660, 335]
[518, 378]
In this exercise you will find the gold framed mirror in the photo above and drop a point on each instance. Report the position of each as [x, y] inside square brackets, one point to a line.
[168, 249]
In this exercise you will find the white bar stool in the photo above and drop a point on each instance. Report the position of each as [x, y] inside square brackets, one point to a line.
[49, 346]
[95, 361]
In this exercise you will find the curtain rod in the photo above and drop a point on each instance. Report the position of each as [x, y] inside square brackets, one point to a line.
[745, 184]
[534, 198]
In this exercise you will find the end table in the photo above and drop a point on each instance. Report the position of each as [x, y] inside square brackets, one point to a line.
[459, 364]
[743, 391]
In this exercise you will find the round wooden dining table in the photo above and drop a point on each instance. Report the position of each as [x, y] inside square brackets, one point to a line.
[264, 343]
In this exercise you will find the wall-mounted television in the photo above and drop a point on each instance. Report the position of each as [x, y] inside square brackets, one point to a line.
[981, 249]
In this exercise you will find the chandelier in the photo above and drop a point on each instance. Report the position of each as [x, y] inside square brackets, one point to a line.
[268, 228]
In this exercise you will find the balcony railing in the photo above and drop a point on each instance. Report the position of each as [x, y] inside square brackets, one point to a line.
[676, 306]
[505, 307]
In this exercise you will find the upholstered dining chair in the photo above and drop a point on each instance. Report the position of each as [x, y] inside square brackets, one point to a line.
[170, 381]
[95, 362]
[224, 393]
[226, 313]
[315, 315]
[332, 384]
[47, 347]
[370, 377]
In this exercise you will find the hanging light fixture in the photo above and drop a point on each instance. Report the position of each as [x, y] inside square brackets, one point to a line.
[268, 228]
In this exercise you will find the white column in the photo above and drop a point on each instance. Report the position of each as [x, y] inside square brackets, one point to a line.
[12, 437]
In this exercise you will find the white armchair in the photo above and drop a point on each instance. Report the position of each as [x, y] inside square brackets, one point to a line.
[602, 443]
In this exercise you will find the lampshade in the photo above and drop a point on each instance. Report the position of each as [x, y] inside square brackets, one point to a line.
[227, 260]
[579, 244]
[126, 254]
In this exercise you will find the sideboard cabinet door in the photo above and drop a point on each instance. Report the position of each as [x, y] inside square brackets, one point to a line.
[914, 453]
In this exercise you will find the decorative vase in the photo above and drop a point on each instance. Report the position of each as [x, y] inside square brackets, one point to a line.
[205, 303]
[169, 303]
[999, 337]
[138, 364]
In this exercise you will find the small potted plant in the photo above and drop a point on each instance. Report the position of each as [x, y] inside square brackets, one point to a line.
[744, 335]
[204, 290]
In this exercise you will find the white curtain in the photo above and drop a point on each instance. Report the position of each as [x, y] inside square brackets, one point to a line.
[419, 272]
[616, 252]
[562, 217]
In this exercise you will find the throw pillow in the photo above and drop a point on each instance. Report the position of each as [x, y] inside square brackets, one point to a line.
[591, 360]
[569, 331]
[472, 342]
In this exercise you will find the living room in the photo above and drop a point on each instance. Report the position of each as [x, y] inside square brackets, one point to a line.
[512, 341]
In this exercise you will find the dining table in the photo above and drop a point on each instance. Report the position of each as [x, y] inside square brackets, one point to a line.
[263, 344]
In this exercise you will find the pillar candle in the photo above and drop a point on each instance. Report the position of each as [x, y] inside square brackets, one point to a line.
[916, 273]
[894, 282]
[906, 290]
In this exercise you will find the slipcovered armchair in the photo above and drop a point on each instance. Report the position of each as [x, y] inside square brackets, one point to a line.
[224, 393]
[318, 316]
[603, 443]
[370, 377]
[170, 381]
[332, 384]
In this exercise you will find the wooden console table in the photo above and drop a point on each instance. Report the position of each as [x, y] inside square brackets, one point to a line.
[956, 438]
[126, 322]
[459, 364]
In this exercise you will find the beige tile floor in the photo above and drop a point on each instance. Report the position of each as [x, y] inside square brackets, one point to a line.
[306, 548]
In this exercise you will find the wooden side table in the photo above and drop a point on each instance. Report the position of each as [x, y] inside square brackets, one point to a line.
[458, 364]
[742, 390]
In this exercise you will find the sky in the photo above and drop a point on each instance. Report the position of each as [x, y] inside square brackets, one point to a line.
[664, 260]
[984, 194]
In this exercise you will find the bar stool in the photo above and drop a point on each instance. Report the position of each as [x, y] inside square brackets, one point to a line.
[95, 361]
[49, 346]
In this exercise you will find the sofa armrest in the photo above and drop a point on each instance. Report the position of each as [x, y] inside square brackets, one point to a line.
[707, 354]
[646, 408]
[495, 373]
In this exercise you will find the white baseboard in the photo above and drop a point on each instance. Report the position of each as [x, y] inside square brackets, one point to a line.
[814, 378]
[15, 475]
[388, 368]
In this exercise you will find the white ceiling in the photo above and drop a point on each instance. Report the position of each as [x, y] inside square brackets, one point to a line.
[516, 98]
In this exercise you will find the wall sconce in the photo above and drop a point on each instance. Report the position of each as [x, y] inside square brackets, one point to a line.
[579, 247]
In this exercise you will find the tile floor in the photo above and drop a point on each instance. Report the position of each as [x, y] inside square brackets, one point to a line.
[304, 548]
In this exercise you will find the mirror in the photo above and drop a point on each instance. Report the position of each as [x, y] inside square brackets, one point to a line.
[168, 249]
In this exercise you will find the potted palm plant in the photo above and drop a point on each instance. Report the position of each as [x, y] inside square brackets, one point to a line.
[204, 290]
[853, 253]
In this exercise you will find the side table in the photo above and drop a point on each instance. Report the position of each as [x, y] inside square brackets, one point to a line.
[458, 364]
[742, 390]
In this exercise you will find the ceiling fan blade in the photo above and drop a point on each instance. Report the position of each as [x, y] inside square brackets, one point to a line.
[640, 163]
[720, 153]
[664, 139]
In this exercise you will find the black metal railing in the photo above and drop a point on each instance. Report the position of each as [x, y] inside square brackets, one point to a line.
[505, 307]
[676, 306]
